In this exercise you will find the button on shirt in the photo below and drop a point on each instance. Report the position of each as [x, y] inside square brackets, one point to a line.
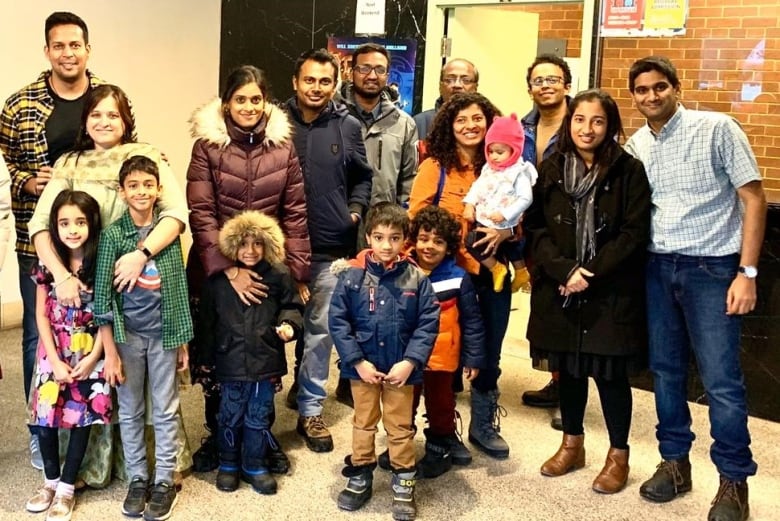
[694, 165]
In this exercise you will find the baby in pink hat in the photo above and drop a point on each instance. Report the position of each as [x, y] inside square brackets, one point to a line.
[498, 198]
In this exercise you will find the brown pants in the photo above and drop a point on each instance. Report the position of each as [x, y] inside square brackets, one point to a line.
[396, 415]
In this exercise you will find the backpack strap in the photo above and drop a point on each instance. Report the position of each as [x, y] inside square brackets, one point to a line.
[440, 188]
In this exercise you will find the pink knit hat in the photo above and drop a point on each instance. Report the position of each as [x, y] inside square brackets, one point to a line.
[509, 131]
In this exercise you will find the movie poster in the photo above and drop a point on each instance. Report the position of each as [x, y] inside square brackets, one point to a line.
[403, 53]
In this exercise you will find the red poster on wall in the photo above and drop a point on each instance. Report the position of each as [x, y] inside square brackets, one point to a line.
[622, 15]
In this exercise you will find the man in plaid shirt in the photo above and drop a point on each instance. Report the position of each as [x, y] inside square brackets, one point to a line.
[37, 125]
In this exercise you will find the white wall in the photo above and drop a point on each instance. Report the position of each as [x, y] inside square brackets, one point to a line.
[164, 54]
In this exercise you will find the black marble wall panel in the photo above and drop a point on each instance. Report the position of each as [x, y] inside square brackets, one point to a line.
[760, 336]
[272, 33]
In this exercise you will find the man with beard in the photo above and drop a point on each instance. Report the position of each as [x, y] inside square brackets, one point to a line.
[390, 134]
[457, 75]
[549, 81]
[38, 124]
[337, 179]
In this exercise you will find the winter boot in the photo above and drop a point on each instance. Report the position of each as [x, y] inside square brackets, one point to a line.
[485, 424]
[205, 459]
[253, 467]
[229, 459]
[458, 452]
[404, 507]
[276, 460]
[436, 460]
[360, 480]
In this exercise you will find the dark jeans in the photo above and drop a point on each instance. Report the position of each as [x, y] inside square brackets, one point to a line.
[687, 315]
[495, 313]
[28, 288]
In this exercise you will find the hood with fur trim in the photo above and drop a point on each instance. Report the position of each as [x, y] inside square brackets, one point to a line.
[256, 224]
[208, 123]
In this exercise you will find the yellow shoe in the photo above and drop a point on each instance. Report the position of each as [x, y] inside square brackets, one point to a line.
[499, 272]
[521, 279]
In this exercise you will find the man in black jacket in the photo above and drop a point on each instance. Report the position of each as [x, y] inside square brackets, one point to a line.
[337, 179]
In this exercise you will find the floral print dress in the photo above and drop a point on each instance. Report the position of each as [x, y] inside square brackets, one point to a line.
[83, 402]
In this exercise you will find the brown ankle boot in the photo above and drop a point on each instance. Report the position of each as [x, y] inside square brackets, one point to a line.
[614, 475]
[570, 456]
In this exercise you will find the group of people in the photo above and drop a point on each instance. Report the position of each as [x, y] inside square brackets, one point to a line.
[336, 220]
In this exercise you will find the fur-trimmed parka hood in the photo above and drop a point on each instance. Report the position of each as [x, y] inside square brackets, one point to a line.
[256, 224]
[209, 122]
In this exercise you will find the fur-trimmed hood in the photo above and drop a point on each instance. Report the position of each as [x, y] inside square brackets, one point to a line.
[208, 122]
[256, 224]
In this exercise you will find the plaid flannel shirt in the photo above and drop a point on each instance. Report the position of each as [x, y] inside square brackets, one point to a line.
[119, 238]
[23, 143]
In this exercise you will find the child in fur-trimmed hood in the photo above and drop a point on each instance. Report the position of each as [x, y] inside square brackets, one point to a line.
[246, 345]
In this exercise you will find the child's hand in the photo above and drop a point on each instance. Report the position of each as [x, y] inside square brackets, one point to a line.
[470, 373]
[112, 368]
[496, 217]
[399, 373]
[468, 213]
[85, 367]
[183, 358]
[285, 332]
[62, 372]
[368, 372]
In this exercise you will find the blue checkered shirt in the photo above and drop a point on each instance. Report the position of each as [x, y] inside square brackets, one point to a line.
[694, 165]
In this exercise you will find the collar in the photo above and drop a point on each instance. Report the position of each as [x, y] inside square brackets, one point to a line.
[670, 126]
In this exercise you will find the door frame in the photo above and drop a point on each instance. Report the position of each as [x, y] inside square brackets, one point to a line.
[434, 32]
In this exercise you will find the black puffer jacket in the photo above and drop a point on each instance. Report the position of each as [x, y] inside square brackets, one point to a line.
[337, 177]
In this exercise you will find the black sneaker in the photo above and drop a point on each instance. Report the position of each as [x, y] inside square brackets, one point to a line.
[135, 501]
[162, 499]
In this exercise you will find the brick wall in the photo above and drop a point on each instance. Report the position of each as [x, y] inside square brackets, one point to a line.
[559, 21]
[716, 74]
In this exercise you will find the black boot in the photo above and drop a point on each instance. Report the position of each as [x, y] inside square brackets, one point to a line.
[360, 481]
[229, 459]
[547, 397]
[205, 459]
[344, 393]
[276, 460]
[253, 467]
[437, 459]
[731, 502]
[459, 453]
[485, 424]
[671, 478]
[404, 506]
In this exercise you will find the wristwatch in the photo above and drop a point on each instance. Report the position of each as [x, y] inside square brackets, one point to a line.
[145, 251]
[750, 272]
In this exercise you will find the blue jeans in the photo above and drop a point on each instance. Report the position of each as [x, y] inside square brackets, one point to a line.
[495, 314]
[686, 313]
[28, 289]
[315, 364]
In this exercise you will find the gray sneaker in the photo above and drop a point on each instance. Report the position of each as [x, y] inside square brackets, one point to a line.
[36, 460]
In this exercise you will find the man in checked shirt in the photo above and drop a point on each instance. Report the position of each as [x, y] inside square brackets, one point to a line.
[708, 222]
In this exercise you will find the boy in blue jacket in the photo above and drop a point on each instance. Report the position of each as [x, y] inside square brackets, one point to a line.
[384, 319]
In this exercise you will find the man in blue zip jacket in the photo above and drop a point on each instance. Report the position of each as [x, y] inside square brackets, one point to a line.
[337, 179]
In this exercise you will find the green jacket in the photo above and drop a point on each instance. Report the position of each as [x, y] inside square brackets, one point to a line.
[119, 238]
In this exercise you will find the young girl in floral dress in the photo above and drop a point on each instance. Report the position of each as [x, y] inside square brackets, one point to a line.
[70, 391]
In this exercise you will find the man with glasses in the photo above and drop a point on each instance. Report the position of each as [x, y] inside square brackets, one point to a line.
[457, 75]
[549, 81]
[389, 133]
[708, 220]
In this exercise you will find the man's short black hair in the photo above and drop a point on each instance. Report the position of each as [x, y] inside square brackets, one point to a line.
[553, 59]
[64, 18]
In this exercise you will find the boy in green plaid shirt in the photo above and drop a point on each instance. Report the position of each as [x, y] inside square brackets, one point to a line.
[145, 332]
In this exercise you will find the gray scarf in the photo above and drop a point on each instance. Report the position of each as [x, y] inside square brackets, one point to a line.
[580, 183]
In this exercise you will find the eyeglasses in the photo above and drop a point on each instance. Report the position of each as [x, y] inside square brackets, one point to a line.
[365, 70]
[465, 81]
[549, 80]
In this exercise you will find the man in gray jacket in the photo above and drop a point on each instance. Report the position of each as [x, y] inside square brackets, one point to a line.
[390, 134]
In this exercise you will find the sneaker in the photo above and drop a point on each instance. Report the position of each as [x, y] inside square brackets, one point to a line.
[162, 499]
[135, 501]
[731, 502]
[61, 508]
[546, 397]
[36, 460]
[315, 433]
[41, 501]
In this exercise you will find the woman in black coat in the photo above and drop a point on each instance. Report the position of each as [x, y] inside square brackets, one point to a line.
[589, 226]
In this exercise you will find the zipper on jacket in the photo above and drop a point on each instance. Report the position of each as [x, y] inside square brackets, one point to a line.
[379, 167]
